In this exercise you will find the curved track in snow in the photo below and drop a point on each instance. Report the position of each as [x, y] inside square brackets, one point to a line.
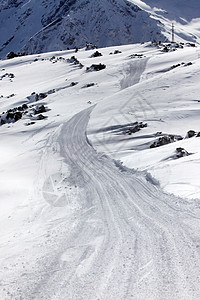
[131, 241]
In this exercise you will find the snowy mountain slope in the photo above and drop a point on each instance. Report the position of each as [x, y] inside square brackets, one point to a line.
[103, 23]
[167, 88]
[60, 24]
[177, 10]
[184, 14]
[76, 224]
[39, 26]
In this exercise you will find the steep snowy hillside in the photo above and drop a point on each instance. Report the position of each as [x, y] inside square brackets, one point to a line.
[53, 25]
[102, 22]
[39, 26]
[91, 142]
[184, 14]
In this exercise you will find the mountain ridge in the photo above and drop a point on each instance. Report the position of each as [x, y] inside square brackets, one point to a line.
[41, 26]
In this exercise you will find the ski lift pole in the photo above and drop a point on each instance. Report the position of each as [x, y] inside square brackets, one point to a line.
[172, 32]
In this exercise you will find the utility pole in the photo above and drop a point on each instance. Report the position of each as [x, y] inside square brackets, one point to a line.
[172, 32]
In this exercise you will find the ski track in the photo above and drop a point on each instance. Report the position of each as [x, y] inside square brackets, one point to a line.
[126, 239]
[131, 240]
[132, 72]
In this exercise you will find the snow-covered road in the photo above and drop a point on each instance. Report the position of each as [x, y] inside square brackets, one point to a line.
[132, 241]
[78, 225]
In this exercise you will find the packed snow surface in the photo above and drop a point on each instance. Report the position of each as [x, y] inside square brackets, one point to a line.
[99, 189]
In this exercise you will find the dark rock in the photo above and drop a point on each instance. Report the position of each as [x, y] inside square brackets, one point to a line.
[198, 134]
[96, 54]
[73, 83]
[24, 106]
[41, 117]
[9, 115]
[164, 140]
[117, 52]
[39, 109]
[191, 133]
[30, 123]
[89, 85]
[181, 152]
[95, 67]
[90, 46]
[136, 56]
[11, 55]
[137, 127]
[188, 64]
[10, 96]
[166, 49]
[74, 61]
[42, 96]
[17, 116]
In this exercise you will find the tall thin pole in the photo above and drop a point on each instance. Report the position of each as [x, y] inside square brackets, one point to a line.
[172, 33]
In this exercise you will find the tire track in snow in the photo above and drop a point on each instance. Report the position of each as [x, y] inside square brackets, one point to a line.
[130, 241]
[132, 72]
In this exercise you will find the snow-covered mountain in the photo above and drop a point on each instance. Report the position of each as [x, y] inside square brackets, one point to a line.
[38, 26]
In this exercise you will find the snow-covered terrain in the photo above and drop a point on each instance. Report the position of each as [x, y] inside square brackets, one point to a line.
[40, 26]
[84, 206]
